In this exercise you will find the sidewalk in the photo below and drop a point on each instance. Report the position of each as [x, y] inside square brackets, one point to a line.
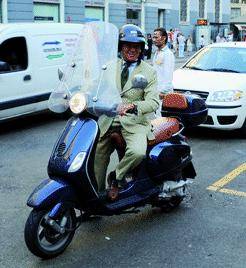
[177, 59]
[185, 58]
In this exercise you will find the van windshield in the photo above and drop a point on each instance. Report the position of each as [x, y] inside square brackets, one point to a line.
[13, 52]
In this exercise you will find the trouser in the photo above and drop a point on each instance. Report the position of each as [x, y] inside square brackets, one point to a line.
[181, 51]
[136, 146]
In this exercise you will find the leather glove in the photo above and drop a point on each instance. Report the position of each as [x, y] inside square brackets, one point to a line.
[161, 96]
[124, 108]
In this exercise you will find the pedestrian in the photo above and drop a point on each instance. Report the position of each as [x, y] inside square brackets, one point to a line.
[163, 63]
[135, 128]
[170, 39]
[149, 43]
[175, 41]
[189, 45]
[202, 41]
[229, 37]
[222, 40]
[181, 41]
[218, 39]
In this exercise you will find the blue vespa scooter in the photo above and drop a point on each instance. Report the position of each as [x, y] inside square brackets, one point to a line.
[70, 194]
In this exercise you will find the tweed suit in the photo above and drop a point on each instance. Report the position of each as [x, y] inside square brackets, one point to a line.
[136, 129]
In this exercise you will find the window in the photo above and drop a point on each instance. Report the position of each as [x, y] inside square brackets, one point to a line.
[184, 11]
[235, 1]
[217, 11]
[133, 16]
[46, 12]
[243, 1]
[235, 12]
[13, 53]
[202, 9]
[94, 14]
[219, 59]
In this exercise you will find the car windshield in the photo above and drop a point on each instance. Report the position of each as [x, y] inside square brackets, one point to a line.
[219, 59]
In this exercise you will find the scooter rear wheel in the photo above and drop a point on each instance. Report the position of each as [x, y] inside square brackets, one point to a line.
[168, 206]
[42, 240]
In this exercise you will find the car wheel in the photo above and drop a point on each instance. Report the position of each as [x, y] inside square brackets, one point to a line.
[243, 130]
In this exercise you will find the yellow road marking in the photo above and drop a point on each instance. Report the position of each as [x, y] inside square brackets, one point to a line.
[232, 192]
[219, 185]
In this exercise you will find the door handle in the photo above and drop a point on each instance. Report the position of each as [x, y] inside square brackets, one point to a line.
[27, 77]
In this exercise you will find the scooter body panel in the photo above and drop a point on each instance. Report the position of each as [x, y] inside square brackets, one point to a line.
[80, 135]
[167, 159]
[51, 192]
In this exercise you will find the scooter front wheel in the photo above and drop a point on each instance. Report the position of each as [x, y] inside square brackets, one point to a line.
[42, 239]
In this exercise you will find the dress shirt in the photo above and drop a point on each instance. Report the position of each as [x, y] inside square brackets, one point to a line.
[163, 63]
[130, 68]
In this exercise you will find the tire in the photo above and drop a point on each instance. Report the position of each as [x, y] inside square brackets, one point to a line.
[170, 205]
[42, 240]
[243, 130]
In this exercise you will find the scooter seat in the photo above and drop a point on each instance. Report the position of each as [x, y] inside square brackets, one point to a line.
[164, 128]
[175, 101]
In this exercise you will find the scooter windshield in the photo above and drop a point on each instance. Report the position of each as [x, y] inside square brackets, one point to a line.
[95, 58]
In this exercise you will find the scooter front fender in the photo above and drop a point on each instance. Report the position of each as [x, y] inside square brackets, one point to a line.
[50, 192]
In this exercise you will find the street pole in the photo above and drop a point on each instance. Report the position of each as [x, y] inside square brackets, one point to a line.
[143, 15]
[62, 11]
[106, 10]
[4, 11]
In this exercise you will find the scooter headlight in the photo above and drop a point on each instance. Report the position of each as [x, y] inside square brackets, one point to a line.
[77, 162]
[78, 103]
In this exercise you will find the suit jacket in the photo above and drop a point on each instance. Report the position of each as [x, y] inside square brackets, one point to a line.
[147, 101]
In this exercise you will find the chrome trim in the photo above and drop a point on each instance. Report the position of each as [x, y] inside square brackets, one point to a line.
[180, 131]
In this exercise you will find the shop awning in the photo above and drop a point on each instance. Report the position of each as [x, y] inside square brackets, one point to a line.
[241, 27]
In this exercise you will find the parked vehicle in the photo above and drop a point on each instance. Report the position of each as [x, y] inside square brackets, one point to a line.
[218, 74]
[30, 55]
[71, 186]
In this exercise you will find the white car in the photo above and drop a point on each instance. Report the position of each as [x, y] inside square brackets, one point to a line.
[218, 74]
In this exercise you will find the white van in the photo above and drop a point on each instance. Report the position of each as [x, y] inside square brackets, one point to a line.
[30, 55]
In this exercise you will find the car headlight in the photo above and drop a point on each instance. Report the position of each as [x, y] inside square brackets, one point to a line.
[77, 162]
[227, 95]
[78, 103]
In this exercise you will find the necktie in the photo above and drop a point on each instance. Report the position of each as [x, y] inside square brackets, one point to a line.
[125, 74]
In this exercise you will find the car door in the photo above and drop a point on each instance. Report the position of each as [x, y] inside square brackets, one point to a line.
[15, 77]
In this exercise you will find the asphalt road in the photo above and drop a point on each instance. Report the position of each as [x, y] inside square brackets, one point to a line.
[208, 230]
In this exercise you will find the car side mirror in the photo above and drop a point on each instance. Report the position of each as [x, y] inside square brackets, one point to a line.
[60, 74]
[139, 81]
[4, 67]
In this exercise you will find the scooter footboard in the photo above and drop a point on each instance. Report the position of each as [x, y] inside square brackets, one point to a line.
[50, 192]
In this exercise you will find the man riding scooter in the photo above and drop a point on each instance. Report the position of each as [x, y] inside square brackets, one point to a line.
[134, 127]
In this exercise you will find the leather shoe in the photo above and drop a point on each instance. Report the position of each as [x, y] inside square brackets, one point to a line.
[115, 187]
[113, 192]
[111, 177]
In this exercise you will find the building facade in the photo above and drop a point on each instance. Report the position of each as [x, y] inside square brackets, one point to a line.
[148, 14]
[238, 19]
[238, 8]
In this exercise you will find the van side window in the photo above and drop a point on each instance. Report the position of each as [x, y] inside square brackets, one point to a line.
[13, 55]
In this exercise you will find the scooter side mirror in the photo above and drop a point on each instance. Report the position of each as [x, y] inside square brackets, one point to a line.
[139, 81]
